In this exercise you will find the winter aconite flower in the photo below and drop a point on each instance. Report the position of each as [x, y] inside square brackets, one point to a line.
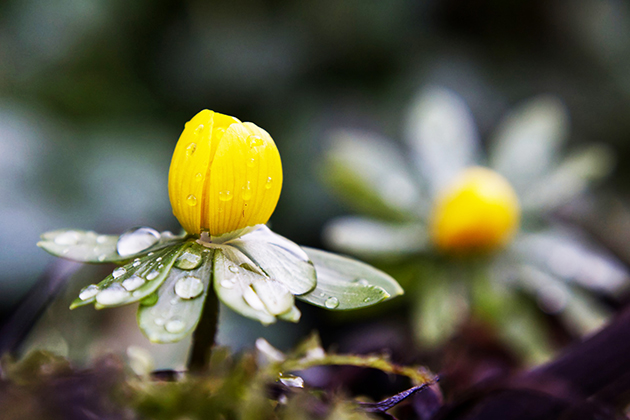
[224, 183]
[474, 228]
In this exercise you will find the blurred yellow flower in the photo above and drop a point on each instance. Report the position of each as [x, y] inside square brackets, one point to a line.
[225, 175]
[478, 211]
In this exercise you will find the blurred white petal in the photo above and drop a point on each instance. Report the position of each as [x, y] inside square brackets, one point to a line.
[527, 142]
[568, 256]
[370, 172]
[569, 179]
[371, 238]
[442, 134]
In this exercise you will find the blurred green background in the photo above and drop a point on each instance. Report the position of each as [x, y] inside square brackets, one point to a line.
[94, 94]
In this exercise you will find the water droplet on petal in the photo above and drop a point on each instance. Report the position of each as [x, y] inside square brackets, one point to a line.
[88, 292]
[251, 162]
[175, 326]
[153, 274]
[190, 150]
[188, 287]
[113, 295]
[136, 262]
[199, 129]
[198, 176]
[367, 299]
[188, 260]
[191, 200]
[102, 257]
[159, 321]
[158, 259]
[174, 301]
[132, 283]
[332, 302]
[269, 183]
[225, 195]
[119, 272]
[233, 269]
[136, 240]
[228, 284]
[247, 191]
[68, 238]
[101, 239]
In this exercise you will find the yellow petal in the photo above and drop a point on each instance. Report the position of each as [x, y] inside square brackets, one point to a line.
[224, 175]
[246, 180]
[478, 211]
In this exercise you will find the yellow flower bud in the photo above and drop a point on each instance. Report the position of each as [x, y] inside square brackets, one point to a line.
[479, 211]
[225, 175]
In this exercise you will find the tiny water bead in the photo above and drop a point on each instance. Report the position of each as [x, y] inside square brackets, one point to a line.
[101, 239]
[113, 295]
[269, 183]
[251, 162]
[189, 260]
[362, 282]
[136, 240]
[255, 141]
[89, 292]
[225, 195]
[191, 200]
[247, 192]
[291, 380]
[68, 238]
[198, 176]
[190, 150]
[175, 326]
[332, 302]
[132, 283]
[119, 272]
[233, 269]
[228, 284]
[188, 287]
[136, 262]
[102, 257]
[199, 129]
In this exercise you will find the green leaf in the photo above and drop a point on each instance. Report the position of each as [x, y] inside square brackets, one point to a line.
[91, 247]
[180, 302]
[528, 141]
[243, 287]
[372, 176]
[371, 238]
[344, 283]
[133, 281]
[442, 134]
[281, 259]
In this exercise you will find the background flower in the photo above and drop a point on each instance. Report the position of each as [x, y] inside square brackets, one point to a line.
[408, 194]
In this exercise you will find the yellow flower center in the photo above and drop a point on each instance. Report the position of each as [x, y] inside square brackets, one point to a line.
[225, 175]
[479, 211]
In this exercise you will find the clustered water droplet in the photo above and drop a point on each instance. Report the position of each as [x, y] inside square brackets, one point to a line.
[152, 275]
[132, 283]
[88, 292]
[113, 295]
[332, 302]
[188, 287]
[136, 240]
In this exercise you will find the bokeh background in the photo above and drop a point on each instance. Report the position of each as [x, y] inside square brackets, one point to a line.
[94, 94]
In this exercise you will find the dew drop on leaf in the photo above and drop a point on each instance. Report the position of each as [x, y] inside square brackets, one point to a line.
[119, 272]
[153, 274]
[188, 287]
[136, 240]
[175, 326]
[88, 292]
[331, 303]
[112, 295]
[132, 283]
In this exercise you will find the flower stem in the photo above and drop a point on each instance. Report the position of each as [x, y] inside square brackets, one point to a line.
[203, 337]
